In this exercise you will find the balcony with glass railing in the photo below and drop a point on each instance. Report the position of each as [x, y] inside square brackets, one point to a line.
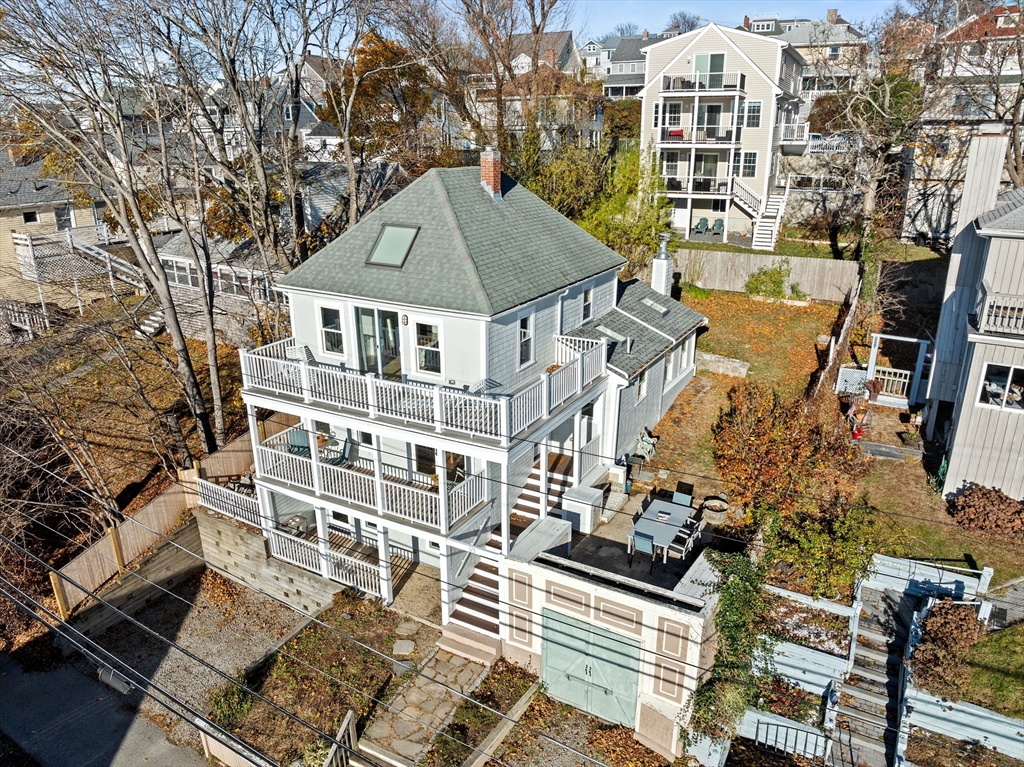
[277, 371]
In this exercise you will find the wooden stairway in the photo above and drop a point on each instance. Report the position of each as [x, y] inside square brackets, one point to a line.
[528, 505]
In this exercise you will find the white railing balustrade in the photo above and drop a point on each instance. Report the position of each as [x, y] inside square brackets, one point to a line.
[349, 485]
[704, 81]
[590, 455]
[228, 502]
[795, 133]
[278, 368]
[412, 503]
[354, 572]
[894, 382]
[747, 196]
[284, 467]
[1000, 312]
[305, 554]
[466, 496]
[563, 383]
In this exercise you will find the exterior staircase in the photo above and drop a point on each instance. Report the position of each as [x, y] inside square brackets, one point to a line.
[867, 716]
[473, 628]
[151, 326]
[766, 227]
[528, 504]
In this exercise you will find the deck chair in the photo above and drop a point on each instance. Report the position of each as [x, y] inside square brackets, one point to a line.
[643, 543]
[338, 457]
[298, 442]
[701, 227]
[718, 227]
[683, 499]
[301, 353]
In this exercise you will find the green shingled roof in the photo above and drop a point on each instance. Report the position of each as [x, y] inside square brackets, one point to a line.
[472, 254]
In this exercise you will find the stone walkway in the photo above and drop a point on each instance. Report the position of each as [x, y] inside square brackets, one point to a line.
[406, 727]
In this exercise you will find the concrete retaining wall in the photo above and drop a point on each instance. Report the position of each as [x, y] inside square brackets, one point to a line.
[821, 278]
[716, 363]
[241, 552]
[173, 561]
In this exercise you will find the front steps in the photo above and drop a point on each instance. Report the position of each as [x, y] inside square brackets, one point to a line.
[477, 609]
[151, 326]
[528, 505]
[868, 709]
[766, 228]
[469, 644]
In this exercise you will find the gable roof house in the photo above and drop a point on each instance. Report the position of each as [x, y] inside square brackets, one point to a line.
[465, 374]
[720, 106]
[976, 389]
[624, 72]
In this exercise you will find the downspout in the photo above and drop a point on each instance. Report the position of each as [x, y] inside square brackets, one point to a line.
[561, 295]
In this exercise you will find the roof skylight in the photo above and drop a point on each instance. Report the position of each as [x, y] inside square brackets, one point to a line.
[393, 245]
[611, 333]
[655, 306]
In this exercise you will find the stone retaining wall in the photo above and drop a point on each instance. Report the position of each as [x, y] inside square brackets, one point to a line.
[715, 363]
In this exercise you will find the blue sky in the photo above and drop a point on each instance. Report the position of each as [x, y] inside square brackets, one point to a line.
[596, 17]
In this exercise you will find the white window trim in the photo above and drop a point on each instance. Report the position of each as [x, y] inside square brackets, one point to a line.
[981, 385]
[531, 316]
[347, 337]
[584, 303]
[35, 213]
[642, 388]
[746, 114]
[743, 164]
[413, 321]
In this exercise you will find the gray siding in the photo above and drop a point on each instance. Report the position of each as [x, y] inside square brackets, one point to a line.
[988, 444]
[633, 415]
[965, 264]
[1004, 266]
[603, 301]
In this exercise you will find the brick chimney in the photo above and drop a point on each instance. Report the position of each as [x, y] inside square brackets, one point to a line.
[832, 15]
[746, 22]
[644, 34]
[490, 172]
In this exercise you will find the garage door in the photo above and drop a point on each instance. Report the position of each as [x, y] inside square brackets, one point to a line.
[590, 668]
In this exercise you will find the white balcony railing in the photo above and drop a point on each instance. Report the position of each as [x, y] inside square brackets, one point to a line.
[796, 133]
[229, 503]
[501, 416]
[704, 134]
[277, 458]
[1000, 312]
[590, 455]
[339, 567]
[704, 81]
[894, 382]
[305, 554]
[354, 572]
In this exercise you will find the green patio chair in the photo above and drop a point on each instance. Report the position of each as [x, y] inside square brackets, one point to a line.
[701, 227]
[298, 442]
[718, 227]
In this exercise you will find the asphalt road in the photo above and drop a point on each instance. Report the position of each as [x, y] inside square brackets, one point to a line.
[63, 718]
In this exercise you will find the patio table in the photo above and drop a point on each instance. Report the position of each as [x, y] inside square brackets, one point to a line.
[663, 530]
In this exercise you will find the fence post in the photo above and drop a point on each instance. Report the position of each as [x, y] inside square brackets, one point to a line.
[115, 544]
[58, 592]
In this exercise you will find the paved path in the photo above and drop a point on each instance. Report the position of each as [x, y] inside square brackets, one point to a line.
[63, 718]
[406, 727]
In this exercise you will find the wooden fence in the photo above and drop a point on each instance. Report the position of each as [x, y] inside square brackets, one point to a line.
[127, 541]
[820, 278]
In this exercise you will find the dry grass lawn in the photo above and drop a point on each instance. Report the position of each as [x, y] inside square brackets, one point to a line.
[776, 339]
[997, 672]
[921, 528]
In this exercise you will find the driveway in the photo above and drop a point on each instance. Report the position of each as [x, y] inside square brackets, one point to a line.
[63, 718]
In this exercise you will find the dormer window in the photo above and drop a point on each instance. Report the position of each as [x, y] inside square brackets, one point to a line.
[30, 217]
[393, 245]
[764, 26]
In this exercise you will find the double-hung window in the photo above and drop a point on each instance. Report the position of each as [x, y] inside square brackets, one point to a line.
[330, 324]
[525, 340]
[673, 114]
[1002, 386]
[753, 111]
[588, 304]
[641, 386]
[670, 164]
[744, 164]
[428, 348]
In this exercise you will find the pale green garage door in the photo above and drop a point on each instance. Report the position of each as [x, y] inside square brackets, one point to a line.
[592, 669]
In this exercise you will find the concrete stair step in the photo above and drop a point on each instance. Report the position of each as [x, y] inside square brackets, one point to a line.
[866, 718]
[876, 638]
[869, 697]
[871, 750]
[474, 623]
[469, 652]
[870, 657]
[380, 756]
[870, 673]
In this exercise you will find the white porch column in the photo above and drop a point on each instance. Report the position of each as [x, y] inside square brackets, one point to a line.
[446, 579]
[543, 478]
[506, 527]
[314, 456]
[384, 555]
[254, 435]
[267, 514]
[378, 475]
[323, 540]
[577, 447]
[728, 207]
[441, 467]
[875, 341]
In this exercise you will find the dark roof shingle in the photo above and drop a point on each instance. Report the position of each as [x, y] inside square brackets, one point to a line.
[471, 254]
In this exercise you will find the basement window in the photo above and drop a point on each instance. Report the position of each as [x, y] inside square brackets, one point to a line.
[393, 245]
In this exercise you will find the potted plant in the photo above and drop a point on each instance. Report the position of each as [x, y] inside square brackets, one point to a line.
[874, 387]
[434, 480]
[910, 439]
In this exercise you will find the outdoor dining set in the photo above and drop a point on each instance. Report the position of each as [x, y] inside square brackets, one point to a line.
[664, 526]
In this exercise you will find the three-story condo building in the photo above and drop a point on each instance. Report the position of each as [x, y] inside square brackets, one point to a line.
[466, 373]
[719, 106]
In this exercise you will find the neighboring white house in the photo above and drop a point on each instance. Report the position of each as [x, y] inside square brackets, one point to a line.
[719, 104]
[465, 369]
[976, 395]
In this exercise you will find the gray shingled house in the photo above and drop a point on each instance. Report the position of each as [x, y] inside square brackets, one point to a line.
[976, 391]
[467, 374]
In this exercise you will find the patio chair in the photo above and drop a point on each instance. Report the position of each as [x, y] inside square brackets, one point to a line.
[683, 499]
[298, 442]
[643, 543]
[718, 227]
[701, 227]
[338, 457]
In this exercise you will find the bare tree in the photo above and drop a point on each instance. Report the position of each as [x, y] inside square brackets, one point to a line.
[626, 29]
[684, 21]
